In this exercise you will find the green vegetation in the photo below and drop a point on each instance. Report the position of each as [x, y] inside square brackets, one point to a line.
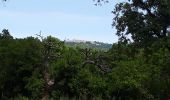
[133, 69]
[89, 44]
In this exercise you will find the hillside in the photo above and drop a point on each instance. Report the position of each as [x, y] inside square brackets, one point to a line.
[88, 44]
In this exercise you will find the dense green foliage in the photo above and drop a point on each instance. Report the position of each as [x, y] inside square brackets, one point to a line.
[133, 69]
[135, 73]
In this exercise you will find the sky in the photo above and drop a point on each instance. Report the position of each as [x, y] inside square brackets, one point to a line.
[64, 19]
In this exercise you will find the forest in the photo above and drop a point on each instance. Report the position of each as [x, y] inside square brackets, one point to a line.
[135, 68]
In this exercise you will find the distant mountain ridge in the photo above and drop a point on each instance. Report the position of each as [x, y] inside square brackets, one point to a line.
[88, 44]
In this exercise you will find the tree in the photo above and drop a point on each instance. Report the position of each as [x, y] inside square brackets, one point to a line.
[52, 48]
[5, 34]
[143, 20]
[100, 2]
[19, 59]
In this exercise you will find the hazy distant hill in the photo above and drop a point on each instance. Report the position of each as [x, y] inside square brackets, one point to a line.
[88, 44]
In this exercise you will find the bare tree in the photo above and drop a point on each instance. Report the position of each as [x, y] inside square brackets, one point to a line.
[98, 60]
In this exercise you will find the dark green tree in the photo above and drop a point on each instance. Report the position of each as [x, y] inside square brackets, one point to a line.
[5, 34]
[142, 20]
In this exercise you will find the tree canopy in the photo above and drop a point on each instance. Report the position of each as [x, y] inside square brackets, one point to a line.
[143, 20]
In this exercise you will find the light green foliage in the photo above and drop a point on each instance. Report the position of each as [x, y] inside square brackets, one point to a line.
[100, 46]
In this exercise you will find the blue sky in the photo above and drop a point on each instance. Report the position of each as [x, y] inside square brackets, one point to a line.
[64, 19]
